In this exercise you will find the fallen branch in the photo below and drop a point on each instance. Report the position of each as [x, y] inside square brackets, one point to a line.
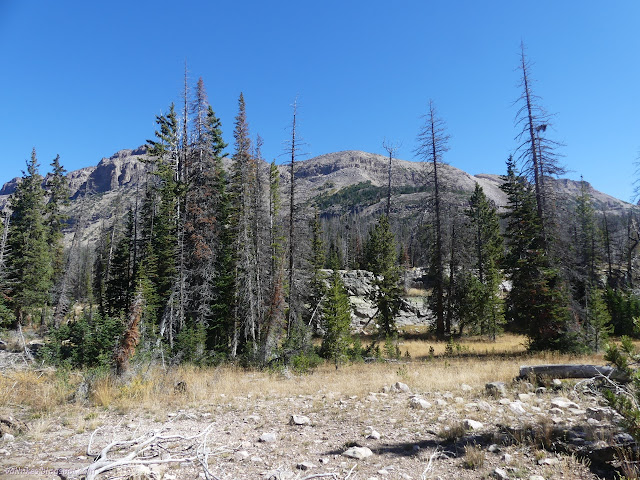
[149, 445]
[573, 371]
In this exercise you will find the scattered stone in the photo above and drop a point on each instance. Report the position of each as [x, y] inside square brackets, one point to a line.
[417, 402]
[556, 383]
[556, 411]
[536, 477]
[494, 448]
[466, 388]
[528, 386]
[7, 437]
[506, 458]
[3, 345]
[599, 413]
[472, 424]
[323, 461]
[374, 435]
[358, 453]
[562, 402]
[516, 407]
[577, 411]
[299, 420]
[241, 455]
[252, 419]
[548, 461]
[268, 437]
[496, 389]
[305, 466]
[524, 397]
[504, 401]
[383, 472]
[500, 474]
[541, 391]
[402, 387]
[623, 438]
[4, 451]
[557, 420]
[256, 459]
[458, 400]
[441, 403]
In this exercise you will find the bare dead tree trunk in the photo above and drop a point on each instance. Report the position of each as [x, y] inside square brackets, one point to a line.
[3, 242]
[391, 149]
[292, 293]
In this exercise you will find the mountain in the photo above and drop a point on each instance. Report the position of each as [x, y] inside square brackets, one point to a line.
[338, 183]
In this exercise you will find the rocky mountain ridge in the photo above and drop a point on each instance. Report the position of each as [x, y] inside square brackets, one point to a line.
[339, 183]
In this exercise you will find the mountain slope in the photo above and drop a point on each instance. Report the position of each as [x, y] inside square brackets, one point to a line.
[339, 183]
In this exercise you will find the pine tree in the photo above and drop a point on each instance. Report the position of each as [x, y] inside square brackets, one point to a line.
[58, 190]
[537, 302]
[336, 319]
[318, 277]
[488, 247]
[381, 259]
[30, 263]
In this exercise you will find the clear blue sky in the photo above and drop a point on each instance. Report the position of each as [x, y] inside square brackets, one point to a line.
[84, 79]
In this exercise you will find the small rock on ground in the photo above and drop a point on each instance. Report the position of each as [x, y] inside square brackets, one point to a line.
[358, 453]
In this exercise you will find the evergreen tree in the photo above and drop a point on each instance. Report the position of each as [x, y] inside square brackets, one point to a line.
[58, 190]
[381, 259]
[488, 246]
[537, 302]
[317, 283]
[336, 319]
[30, 263]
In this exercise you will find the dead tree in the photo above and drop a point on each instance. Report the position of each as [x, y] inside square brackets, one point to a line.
[432, 144]
[391, 149]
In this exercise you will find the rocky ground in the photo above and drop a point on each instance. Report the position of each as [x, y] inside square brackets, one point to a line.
[500, 431]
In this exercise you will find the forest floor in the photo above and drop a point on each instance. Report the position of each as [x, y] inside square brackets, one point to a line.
[425, 418]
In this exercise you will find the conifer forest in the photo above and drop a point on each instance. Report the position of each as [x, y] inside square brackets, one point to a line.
[218, 258]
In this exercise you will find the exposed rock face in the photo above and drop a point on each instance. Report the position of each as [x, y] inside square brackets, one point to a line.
[359, 286]
[108, 189]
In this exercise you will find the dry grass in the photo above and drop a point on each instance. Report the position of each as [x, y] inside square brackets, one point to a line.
[155, 389]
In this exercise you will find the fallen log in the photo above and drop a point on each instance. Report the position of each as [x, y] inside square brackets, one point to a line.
[573, 371]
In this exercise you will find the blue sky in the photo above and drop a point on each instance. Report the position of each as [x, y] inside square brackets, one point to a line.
[84, 79]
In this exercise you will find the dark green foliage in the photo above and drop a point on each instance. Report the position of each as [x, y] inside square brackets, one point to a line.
[481, 300]
[537, 302]
[86, 342]
[336, 322]
[317, 260]
[381, 258]
[625, 398]
[361, 194]
[58, 190]
[30, 265]
[624, 308]
[189, 345]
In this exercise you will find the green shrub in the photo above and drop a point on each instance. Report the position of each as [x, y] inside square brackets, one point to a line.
[87, 342]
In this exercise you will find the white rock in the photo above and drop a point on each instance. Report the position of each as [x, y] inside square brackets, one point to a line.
[562, 402]
[7, 437]
[536, 477]
[417, 402]
[305, 466]
[441, 403]
[466, 388]
[472, 424]
[299, 420]
[374, 435]
[500, 474]
[241, 455]
[504, 401]
[268, 437]
[4, 451]
[496, 389]
[358, 453]
[556, 383]
[402, 387]
[548, 461]
[516, 407]
[524, 397]
[458, 400]
[506, 458]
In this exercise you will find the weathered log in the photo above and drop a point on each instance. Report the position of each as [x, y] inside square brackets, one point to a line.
[573, 371]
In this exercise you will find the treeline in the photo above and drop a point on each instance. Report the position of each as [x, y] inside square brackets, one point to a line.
[216, 261]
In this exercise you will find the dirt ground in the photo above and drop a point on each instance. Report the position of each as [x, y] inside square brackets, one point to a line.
[461, 433]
